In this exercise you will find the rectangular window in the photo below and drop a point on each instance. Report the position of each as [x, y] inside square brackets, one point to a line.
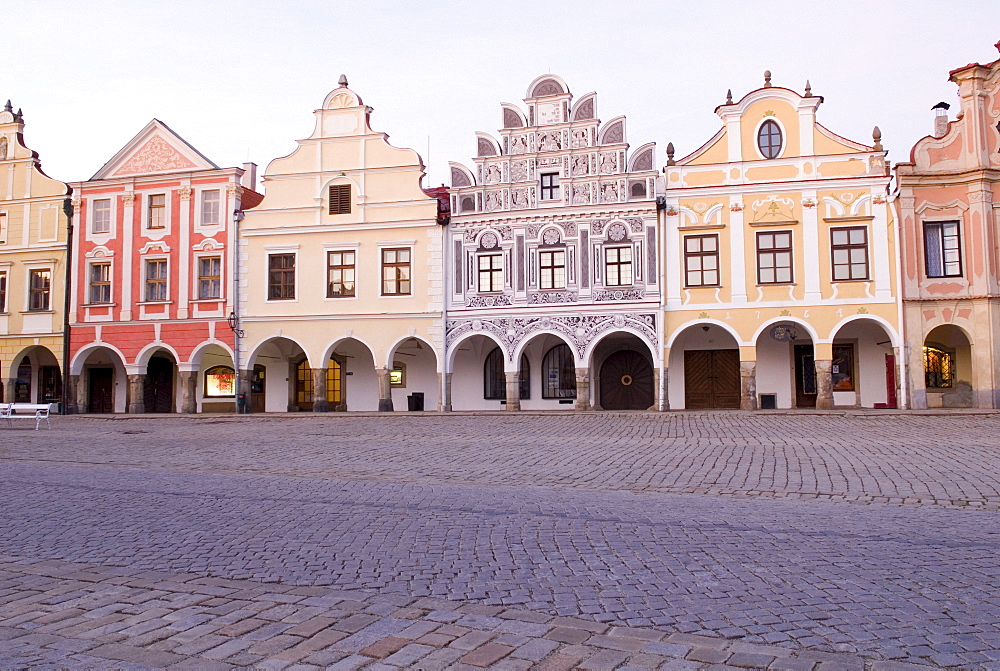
[942, 249]
[340, 275]
[210, 203]
[774, 257]
[3, 227]
[395, 272]
[156, 280]
[618, 267]
[849, 247]
[701, 261]
[102, 216]
[157, 211]
[340, 199]
[100, 283]
[550, 186]
[210, 277]
[490, 272]
[39, 286]
[939, 368]
[280, 277]
[397, 376]
[3, 292]
[552, 269]
[842, 369]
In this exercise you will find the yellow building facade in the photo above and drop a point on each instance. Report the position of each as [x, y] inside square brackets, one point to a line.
[339, 281]
[779, 262]
[34, 225]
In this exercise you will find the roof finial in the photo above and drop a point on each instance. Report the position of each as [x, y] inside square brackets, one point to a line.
[343, 80]
[877, 136]
[767, 79]
[670, 154]
[729, 96]
[809, 89]
[7, 107]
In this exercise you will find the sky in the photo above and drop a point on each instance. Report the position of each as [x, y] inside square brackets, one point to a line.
[240, 80]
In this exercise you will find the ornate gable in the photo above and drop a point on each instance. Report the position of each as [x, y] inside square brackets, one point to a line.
[156, 149]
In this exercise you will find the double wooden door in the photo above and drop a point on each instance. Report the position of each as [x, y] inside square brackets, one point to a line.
[159, 388]
[100, 390]
[711, 378]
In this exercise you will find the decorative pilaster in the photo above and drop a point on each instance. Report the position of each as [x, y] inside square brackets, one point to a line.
[320, 404]
[513, 390]
[384, 390]
[136, 394]
[748, 385]
[189, 391]
[582, 389]
[824, 384]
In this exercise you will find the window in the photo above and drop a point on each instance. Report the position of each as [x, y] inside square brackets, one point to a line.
[340, 275]
[397, 376]
[552, 269]
[100, 283]
[495, 380]
[774, 257]
[395, 272]
[701, 260]
[210, 277]
[156, 280]
[340, 199]
[220, 381]
[39, 285]
[842, 368]
[769, 139]
[939, 368]
[550, 186]
[3, 227]
[558, 373]
[850, 253]
[281, 276]
[618, 266]
[102, 216]
[157, 211]
[3, 292]
[490, 272]
[942, 249]
[334, 382]
[210, 207]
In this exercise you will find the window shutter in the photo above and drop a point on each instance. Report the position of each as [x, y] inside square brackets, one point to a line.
[340, 199]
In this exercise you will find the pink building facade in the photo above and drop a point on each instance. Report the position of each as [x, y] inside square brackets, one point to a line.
[949, 207]
[152, 253]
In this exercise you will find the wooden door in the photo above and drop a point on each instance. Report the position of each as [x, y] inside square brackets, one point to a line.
[711, 378]
[303, 386]
[890, 380]
[159, 388]
[258, 387]
[100, 390]
[626, 382]
[805, 376]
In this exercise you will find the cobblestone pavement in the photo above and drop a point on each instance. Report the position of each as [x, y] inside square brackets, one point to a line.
[590, 541]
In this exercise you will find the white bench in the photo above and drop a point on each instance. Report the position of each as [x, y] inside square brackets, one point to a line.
[35, 411]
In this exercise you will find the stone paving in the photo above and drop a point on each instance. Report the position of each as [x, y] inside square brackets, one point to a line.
[588, 541]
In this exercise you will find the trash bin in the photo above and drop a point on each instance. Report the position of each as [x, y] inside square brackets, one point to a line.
[415, 402]
[241, 404]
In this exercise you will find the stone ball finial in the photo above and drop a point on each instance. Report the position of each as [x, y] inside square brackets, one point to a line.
[729, 96]
[670, 154]
[343, 80]
[767, 79]
[877, 136]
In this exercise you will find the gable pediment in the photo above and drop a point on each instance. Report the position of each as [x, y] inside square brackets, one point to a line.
[156, 149]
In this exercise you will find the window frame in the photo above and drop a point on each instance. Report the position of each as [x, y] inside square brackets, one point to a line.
[341, 204]
[3, 227]
[843, 380]
[151, 285]
[552, 188]
[3, 291]
[205, 203]
[203, 278]
[701, 254]
[95, 219]
[397, 281]
[619, 265]
[493, 274]
[44, 291]
[770, 151]
[559, 390]
[209, 372]
[286, 289]
[944, 355]
[941, 237]
[397, 381]
[773, 251]
[342, 267]
[104, 284]
[494, 360]
[548, 272]
[159, 209]
[849, 247]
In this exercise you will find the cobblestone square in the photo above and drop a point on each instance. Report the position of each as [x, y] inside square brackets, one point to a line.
[593, 540]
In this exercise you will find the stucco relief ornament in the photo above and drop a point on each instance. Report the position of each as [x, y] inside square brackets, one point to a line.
[3, 149]
[617, 232]
[808, 202]
[550, 142]
[520, 198]
[735, 207]
[609, 162]
[492, 174]
[518, 171]
[581, 195]
[580, 165]
[494, 201]
[184, 192]
[477, 325]
[879, 200]
[155, 156]
[488, 241]
[518, 144]
[579, 139]
[551, 236]
[671, 211]
[610, 193]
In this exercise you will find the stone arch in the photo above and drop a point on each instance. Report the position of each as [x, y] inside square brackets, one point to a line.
[881, 321]
[255, 351]
[515, 357]
[584, 109]
[795, 320]
[547, 85]
[677, 332]
[454, 346]
[624, 370]
[199, 351]
[395, 346]
[588, 352]
[76, 367]
[147, 352]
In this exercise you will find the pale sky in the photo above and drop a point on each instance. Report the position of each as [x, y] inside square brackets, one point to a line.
[240, 80]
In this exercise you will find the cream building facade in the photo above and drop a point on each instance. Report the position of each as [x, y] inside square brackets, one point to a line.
[779, 261]
[34, 225]
[340, 278]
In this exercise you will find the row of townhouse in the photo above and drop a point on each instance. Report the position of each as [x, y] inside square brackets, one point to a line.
[776, 266]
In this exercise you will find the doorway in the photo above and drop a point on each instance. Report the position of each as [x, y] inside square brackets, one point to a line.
[257, 389]
[100, 391]
[159, 388]
[711, 378]
[626, 382]
[805, 376]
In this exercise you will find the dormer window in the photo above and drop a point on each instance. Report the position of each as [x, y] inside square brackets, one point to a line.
[769, 139]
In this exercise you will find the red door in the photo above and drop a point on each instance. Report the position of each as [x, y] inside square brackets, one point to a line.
[890, 380]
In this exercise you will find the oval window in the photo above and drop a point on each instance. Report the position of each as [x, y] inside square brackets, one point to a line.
[769, 139]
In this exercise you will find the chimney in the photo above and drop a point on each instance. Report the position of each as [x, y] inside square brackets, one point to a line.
[249, 180]
[940, 119]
